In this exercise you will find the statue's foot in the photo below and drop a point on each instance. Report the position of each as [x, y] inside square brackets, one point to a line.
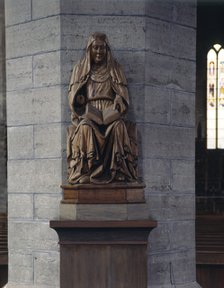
[84, 180]
[119, 177]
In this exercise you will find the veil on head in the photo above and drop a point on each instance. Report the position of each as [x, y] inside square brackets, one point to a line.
[82, 71]
[85, 63]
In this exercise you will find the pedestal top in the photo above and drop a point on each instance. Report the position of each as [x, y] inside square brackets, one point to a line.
[55, 224]
[132, 192]
[108, 232]
[109, 186]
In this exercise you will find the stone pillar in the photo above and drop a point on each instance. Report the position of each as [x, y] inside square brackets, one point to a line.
[34, 118]
[155, 42]
[169, 140]
[3, 151]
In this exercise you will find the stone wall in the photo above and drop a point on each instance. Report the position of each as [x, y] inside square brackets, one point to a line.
[3, 151]
[169, 140]
[34, 118]
[155, 43]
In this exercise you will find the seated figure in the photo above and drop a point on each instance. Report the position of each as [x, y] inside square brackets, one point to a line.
[100, 150]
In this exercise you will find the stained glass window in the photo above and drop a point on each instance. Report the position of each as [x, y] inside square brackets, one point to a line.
[215, 97]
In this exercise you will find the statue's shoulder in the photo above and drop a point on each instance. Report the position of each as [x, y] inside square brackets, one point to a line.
[80, 72]
[77, 67]
[118, 74]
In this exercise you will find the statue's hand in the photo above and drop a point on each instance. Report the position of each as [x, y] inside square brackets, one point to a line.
[80, 99]
[119, 104]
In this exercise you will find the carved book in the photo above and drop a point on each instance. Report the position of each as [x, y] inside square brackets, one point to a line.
[103, 117]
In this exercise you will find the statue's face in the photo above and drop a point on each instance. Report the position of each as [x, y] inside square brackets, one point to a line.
[98, 51]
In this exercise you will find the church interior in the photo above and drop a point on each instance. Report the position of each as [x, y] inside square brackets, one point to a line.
[209, 158]
[209, 137]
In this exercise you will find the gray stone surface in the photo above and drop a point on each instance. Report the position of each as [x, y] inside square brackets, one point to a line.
[46, 69]
[165, 206]
[17, 11]
[156, 172]
[32, 236]
[173, 11]
[94, 211]
[138, 211]
[19, 73]
[33, 37]
[133, 63]
[182, 109]
[24, 211]
[3, 140]
[186, 285]
[69, 58]
[170, 72]
[21, 268]
[46, 206]
[137, 96]
[34, 176]
[76, 30]
[20, 142]
[44, 147]
[104, 211]
[185, 13]
[172, 236]
[104, 7]
[174, 38]
[176, 267]
[183, 176]
[68, 212]
[182, 233]
[41, 10]
[3, 103]
[15, 285]
[46, 265]
[157, 101]
[168, 142]
[34, 106]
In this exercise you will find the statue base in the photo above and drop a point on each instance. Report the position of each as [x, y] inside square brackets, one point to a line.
[113, 193]
[103, 235]
[103, 253]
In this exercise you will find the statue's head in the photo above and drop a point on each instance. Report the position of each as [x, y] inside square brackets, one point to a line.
[97, 52]
[98, 46]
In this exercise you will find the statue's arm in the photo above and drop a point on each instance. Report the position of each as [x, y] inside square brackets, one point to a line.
[119, 84]
[119, 104]
[76, 93]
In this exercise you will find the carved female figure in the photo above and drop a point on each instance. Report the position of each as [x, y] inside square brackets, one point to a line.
[100, 150]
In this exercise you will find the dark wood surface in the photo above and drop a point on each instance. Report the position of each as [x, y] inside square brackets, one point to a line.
[210, 250]
[104, 266]
[113, 232]
[3, 250]
[210, 239]
[103, 224]
[110, 193]
[103, 254]
[210, 275]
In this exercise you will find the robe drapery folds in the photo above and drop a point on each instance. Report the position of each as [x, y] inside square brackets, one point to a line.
[99, 153]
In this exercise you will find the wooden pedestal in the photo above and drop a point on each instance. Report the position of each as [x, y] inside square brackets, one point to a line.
[103, 254]
[119, 193]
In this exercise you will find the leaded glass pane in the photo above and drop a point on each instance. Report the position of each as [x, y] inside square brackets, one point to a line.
[211, 99]
[217, 47]
[220, 111]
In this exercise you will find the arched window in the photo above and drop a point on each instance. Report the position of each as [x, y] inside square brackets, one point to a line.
[215, 98]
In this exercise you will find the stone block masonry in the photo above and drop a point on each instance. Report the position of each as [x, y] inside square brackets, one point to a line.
[155, 43]
[33, 45]
[3, 133]
[169, 138]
